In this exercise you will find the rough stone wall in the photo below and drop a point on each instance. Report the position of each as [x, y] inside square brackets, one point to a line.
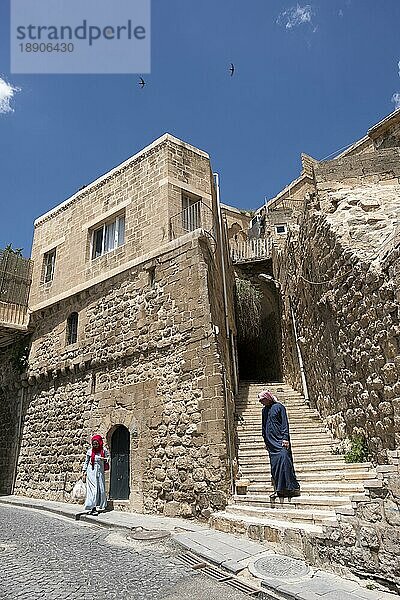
[10, 409]
[147, 357]
[345, 298]
[366, 538]
[349, 342]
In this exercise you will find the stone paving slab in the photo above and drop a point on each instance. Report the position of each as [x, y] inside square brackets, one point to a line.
[203, 551]
[219, 548]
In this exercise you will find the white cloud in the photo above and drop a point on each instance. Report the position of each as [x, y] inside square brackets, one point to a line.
[7, 92]
[295, 16]
[396, 99]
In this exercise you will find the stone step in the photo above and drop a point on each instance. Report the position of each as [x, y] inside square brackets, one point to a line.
[294, 420]
[293, 412]
[305, 439]
[316, 475]
[298, 440]
[314, 487]
[249, 401]
[252, 394]
[297, 443]
[333, 464]
[316, 516]
[255, 404]
[245, 426]
[310, 501]
[259, 461]
[263, 529]
[256, 411]
[255, 390]
[299, 452]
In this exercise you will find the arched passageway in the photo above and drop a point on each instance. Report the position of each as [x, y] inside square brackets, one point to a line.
[260, 356]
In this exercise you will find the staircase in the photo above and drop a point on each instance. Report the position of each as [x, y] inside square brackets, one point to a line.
[327, 482]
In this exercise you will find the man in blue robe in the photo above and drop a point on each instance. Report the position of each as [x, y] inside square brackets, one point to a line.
[275, 431]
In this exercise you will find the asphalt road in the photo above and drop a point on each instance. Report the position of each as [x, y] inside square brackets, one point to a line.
[43, 557]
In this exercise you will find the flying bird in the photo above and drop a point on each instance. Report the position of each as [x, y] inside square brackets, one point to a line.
[232, 69]
[142, 82]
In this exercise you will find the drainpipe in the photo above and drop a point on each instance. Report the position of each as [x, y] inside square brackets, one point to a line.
[228, 334]
[299, 356]
[216, 176]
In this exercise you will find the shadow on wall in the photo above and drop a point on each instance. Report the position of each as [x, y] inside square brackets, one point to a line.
[260, 356]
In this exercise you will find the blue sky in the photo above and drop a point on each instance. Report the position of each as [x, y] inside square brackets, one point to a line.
[310, 77]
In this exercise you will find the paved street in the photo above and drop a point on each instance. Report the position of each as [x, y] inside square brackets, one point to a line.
[45, 557]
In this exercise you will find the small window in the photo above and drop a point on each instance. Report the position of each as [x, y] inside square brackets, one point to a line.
[49, 261]
[281, 228]
[72, 328]
[191, 217]
[108, 237]
[152, 277]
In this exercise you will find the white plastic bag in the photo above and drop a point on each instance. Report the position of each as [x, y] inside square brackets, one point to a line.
[79, 492]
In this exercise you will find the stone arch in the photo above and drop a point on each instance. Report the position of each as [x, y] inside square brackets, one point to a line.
[120, 462]
[118, 417]
[236, 233]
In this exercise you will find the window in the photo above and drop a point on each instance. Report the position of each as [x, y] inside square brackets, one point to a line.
[49, 261]
[190, 213]
[152, 277]
[281, 228]
[108, 237]
[72, 328]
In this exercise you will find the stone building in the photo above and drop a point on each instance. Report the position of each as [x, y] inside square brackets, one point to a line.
[130, 337]
[135, 333]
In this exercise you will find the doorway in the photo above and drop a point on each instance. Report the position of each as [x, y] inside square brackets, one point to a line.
[119, 475]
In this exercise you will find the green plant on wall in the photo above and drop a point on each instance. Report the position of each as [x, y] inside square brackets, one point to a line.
[16, 251]
[248, 310]
[358, 451]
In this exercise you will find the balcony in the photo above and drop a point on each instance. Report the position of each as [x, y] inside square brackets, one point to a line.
[15, 281]
[195, 216]
[250, 250]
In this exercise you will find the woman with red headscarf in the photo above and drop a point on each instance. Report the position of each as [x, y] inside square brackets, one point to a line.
[96, 462]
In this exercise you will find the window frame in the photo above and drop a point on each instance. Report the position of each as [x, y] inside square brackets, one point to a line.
[72, 328]
[119, 240]
[47, 264]
[285, 229]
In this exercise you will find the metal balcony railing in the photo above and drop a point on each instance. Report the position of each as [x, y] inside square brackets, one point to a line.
[253, 249]
[195, 216]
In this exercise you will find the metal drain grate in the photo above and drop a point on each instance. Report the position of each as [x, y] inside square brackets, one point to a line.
[243, 587]
[217, 574]
[190, 560]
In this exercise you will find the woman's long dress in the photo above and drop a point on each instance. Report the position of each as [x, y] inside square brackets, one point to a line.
[95, 481]
[275, 429]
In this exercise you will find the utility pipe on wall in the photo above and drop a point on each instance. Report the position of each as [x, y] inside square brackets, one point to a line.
[299, 356]
[228, 333]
